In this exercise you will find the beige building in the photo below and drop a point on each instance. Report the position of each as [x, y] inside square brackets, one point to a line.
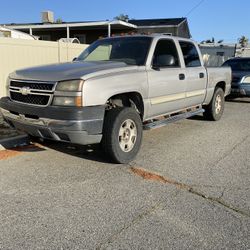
[89, 31]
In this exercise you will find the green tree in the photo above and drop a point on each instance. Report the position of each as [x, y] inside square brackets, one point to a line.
[243, 41]
[212, 40]
[122, 17]
[59, 20]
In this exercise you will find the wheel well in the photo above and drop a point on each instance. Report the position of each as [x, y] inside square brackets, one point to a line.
[130, 99]
[221, 85]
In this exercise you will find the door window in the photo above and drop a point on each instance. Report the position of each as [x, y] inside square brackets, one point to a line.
[166, 54]
[190, 54]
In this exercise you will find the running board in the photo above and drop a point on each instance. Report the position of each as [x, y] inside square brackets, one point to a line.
[161, 123]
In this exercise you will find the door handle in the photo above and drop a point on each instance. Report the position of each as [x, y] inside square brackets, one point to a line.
[181, 76]
[201, 75]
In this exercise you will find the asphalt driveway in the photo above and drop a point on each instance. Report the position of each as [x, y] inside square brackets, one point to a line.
[189, 188]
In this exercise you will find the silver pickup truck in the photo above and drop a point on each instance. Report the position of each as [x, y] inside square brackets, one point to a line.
[116, 88]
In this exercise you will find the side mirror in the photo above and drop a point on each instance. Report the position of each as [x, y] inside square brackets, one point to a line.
[164, 61]
[74, 59]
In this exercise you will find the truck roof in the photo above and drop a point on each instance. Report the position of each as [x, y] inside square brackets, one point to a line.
[153, 35]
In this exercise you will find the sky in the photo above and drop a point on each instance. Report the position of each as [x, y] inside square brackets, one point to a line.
[221, 19]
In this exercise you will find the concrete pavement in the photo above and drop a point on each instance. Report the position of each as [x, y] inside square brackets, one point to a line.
[59, 196]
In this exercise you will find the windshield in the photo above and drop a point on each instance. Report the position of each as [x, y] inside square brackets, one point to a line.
[238, 65]
[130, 50]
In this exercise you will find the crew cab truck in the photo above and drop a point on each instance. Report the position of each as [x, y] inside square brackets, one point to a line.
[116, 88]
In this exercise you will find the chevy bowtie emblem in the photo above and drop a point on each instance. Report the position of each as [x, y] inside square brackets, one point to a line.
[25, 90]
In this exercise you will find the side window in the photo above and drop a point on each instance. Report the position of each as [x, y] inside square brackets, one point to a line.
[166, 54]
[190, 54]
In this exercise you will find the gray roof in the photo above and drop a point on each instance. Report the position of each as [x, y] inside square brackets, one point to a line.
[137, 22]
[158, 22]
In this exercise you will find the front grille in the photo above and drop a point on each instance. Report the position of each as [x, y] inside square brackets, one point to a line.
[31, 92]
[41, 100]
[32, 85]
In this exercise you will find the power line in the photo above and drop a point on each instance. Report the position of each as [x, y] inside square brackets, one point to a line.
[195, 7]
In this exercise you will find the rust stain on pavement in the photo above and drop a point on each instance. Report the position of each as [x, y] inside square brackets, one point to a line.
[145, 174]
[9, 153]
[5, 154]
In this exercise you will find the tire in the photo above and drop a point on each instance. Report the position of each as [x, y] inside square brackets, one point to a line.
[215, 109]
[122, 134]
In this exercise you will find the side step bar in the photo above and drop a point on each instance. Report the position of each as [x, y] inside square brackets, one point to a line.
[170, 119]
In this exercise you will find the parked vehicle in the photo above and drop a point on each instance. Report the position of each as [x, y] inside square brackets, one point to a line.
[113, 90]
[240, 75]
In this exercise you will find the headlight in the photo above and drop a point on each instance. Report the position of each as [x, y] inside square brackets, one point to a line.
[246, 80]
[67, 101]
[73, 85]
[68, 93]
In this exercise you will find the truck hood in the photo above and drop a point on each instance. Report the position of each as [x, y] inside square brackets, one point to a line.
[69, 71]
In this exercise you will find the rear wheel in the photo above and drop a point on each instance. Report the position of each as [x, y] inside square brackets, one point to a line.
[215, 109]
[122, 134]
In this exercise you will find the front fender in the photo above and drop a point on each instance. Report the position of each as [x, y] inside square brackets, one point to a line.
[97, 91]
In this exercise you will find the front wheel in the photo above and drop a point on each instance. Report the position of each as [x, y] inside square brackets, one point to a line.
[215, 109]
[122, 134]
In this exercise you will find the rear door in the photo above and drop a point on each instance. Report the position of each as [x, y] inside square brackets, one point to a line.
[166, 78]
[195, 73]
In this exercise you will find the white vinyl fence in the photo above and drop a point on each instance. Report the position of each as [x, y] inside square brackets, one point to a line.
[18, 53]
[214, 60]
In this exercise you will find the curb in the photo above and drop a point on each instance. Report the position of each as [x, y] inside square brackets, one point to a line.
[15, 141]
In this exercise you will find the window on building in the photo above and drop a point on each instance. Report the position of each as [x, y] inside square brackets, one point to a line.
[81, 38]
[190, 54]
[45, 37]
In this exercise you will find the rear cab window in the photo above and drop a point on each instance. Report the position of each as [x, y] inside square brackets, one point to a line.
[190, 54]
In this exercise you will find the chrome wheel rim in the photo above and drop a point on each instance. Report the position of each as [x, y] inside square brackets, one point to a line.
[127, 135]
[218, 104]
